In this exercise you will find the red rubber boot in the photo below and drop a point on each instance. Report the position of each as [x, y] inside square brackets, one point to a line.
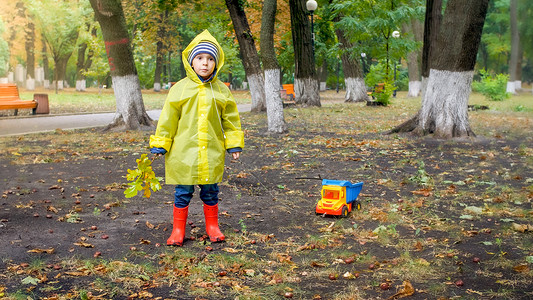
[211, 223]
[178, 228]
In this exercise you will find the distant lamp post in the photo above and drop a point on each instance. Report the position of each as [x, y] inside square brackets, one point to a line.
[311, 7]
[363, 56]
[395, 34]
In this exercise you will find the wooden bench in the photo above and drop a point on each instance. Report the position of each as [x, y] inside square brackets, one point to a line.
[10, 99]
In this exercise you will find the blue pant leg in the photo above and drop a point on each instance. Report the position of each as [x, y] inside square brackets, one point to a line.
[183, 195]
[209, 194]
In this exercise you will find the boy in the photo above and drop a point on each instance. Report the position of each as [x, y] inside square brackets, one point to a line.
[198, 123]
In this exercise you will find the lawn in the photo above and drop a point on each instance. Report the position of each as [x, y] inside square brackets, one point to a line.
[439, 219]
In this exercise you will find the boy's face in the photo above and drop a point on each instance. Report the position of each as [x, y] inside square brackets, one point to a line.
[204, 65]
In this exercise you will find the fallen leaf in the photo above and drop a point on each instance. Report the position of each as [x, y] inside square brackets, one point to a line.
[37, 250]
[522, 268]
[419, 246]
[423, 192]
[83, 244]
[149, 225]
[406, 291]
[231, 250]
[522, 227]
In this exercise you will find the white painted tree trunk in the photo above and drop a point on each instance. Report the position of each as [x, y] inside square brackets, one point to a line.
[59, 84]
[518, 85]
[157, 87]
[46, 84]
[257, 92]
[274, 105]
[414, 88]
[306, 91]
[81, 85]
[130, 114]
[444, 110]
[355, 90]
[30, 84]
[511, 87]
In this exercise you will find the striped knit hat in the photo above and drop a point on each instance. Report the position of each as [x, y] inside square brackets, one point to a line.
[204, 47]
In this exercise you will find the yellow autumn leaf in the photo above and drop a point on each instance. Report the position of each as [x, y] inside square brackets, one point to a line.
[83, 244]
[37, 250]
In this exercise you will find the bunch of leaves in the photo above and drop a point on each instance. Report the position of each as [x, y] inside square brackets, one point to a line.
[142, 179]
[494, 87]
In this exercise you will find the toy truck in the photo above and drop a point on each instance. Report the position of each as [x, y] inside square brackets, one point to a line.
[339, 197]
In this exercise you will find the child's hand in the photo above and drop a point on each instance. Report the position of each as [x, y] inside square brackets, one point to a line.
[236, 155]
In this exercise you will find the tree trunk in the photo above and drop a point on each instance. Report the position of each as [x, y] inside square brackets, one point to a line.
[46, 66]
[30, 56]
[85, 60]
[353, 74]
[159, 52]
[158, 66]
[274, 104]
[80, 78]
[305, 80]
[444, 111]
[515, 48]
[60, 71]
[250, 58]
[130, 114]
[413, 59]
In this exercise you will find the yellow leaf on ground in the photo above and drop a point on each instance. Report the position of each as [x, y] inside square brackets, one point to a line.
[37, 250]
[231, 250]
[149, 225]
[84, 244]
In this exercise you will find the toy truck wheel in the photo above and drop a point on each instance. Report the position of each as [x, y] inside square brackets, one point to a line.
[358, 205]
[344, 212]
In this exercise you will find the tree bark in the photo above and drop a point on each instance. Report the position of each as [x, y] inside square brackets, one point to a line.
[46, 65]
[30, 56]
[444, 111]
[305, 78]
[274, 104]
[515, 48]
[130, 114]
[161, 33]
[414, 59]
[250, 58]
[353, 74]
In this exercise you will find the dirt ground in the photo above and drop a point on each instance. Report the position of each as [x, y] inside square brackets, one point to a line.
[447, 219]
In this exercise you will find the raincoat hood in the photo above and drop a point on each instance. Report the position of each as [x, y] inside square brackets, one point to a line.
[205, 36]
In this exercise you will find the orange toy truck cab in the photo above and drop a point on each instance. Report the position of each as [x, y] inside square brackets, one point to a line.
[338, 197]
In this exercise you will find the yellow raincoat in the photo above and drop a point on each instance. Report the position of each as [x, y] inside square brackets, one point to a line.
[193, 130]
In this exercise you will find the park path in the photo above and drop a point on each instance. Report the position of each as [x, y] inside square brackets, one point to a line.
[44, 123]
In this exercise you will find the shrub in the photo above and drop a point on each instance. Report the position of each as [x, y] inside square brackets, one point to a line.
[492, 87]
[378, 74]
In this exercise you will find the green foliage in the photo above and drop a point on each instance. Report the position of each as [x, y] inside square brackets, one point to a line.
[421, 177]
[494, 87]
[381, 74]
[142, 179]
